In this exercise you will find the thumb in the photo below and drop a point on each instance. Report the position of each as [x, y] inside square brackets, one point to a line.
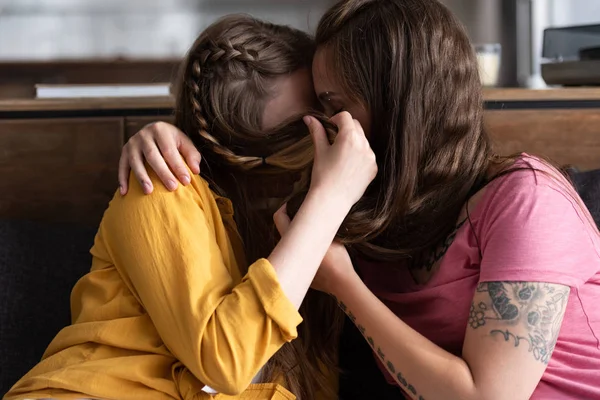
[317, 132]
[282, 219]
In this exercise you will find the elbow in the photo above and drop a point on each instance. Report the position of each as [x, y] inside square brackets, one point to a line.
[228, 385]
[490, 396]
[227, 363]
[226, 378]
[486, 393]
[226, 375]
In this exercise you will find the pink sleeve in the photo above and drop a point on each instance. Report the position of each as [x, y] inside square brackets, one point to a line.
[533, 228]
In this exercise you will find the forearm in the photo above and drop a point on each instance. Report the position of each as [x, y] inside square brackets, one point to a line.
[248, 326]
[297, 257]
[423, 369]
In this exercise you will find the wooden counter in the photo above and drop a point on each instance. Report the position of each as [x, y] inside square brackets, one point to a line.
[561, 124]
[58, 158]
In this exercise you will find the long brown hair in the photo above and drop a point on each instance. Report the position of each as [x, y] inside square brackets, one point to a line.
[411, 64]
[225, 82]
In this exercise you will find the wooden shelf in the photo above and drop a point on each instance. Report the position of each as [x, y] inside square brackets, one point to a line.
[125, 103]
[556, 94]
[148, 103]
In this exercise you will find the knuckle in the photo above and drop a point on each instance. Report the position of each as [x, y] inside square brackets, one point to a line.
[135, 140]
[152, 130]
[148, 148]
[181, 171]
[145, 132]
[156, 126]
[171, 154]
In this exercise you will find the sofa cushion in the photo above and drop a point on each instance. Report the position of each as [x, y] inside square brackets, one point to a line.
[39, 265]
[587, 184]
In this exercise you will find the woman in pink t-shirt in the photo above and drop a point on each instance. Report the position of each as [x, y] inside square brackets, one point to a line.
[475, 277]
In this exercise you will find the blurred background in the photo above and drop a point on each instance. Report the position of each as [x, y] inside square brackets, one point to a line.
[58, 29]
[79, 78]
[50, 30]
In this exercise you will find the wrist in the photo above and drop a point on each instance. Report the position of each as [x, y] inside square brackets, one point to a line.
[330, 199]
[344, 285]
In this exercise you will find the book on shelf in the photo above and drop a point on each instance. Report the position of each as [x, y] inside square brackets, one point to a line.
[50, 91]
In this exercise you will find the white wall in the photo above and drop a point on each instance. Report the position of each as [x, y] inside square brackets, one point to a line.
[66, 29]
[575, 12]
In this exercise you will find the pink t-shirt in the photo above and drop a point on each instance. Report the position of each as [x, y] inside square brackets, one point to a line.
[530, 228]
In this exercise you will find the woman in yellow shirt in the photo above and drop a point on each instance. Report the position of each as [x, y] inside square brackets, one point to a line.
[170, 308]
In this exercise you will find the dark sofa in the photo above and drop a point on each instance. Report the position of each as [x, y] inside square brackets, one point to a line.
[39, 265]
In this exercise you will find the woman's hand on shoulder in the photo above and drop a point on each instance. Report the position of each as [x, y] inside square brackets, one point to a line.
[342, 170]
[162, 146]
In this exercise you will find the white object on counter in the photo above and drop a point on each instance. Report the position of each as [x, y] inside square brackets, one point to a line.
[488, 57]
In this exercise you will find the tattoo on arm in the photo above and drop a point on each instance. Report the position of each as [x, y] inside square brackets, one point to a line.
[388, 364]
[531, 312]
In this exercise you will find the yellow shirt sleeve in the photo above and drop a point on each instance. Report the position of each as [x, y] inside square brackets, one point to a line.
[172, 251]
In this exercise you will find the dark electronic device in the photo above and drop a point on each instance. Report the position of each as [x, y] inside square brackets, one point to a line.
[573, 55]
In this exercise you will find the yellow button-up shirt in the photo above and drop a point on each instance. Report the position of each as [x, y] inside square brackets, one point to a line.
[164, 310]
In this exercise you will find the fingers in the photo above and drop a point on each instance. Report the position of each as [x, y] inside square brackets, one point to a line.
[157, 163]
[172, 144]
[358, 127]
[131, 160]
[317, 132]
[343, 121]
[124, 172]
[136, 163]
[191, 154]
[282, 219]
[159, 144]
[346, 123]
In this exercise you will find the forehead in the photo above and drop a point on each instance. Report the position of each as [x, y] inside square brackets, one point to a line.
[293, 96]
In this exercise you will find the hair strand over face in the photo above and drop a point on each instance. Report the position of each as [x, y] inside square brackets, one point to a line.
[412, 66]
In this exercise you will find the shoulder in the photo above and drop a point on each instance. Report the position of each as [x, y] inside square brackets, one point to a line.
[140, 225]
[532, 219]
[163, 205]
[532, 187]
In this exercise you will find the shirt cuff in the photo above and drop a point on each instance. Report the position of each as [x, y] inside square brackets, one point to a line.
[279, 308]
